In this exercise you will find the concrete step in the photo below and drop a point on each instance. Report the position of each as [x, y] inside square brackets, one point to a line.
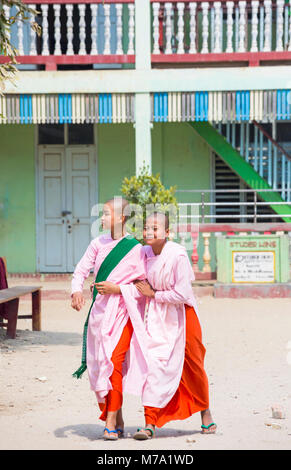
[254, 291]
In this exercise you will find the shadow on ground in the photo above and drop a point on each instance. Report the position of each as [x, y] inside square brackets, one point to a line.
[27, 338]
[94, 432]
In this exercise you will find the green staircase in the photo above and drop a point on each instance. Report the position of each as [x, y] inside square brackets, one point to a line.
[243, 169]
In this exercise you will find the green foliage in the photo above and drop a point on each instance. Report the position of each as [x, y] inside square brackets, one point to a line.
[147, 189]
[148, 192]
[8, 70]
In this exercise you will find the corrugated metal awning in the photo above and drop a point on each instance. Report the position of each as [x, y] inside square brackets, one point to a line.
[234, 106]
[67, 108]
[225, 106]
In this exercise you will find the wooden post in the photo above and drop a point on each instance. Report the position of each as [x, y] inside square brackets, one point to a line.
[12, 307]
[36, 310]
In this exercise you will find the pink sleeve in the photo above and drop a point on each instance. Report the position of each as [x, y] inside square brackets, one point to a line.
[84, 267]
[182, 289]
[136, 294]
[139, 272]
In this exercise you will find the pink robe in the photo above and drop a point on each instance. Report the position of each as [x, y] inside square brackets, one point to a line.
[170, 273]
[109, 316]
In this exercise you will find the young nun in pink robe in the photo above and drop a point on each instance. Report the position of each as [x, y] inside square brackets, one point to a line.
[113, 332]
[176, 384]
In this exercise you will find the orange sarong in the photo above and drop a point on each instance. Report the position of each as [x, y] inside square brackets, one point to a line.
[192, 394]
[113, 401]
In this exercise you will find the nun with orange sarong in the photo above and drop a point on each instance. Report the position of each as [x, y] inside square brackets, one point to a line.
[114, 348]
[176, 385]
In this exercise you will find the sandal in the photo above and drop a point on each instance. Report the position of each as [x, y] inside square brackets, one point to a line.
[207, 427]
[141, 435]
[120, 432]
[109, 437]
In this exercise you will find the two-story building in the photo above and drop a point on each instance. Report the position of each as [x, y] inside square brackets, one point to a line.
[198, 91]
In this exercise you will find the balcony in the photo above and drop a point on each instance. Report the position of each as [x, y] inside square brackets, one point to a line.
[249, 32]
[77, 34]
[97, 34]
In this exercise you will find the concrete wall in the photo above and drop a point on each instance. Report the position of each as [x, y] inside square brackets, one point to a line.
[116, 158]
[181, 157]
[17, 197]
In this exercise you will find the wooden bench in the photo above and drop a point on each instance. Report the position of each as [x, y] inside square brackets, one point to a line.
[10, 297]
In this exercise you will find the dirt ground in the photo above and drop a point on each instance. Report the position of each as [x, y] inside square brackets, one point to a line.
[248, 362]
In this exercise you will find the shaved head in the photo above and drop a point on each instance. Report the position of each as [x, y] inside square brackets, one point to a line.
[118, 205]
[160, 217]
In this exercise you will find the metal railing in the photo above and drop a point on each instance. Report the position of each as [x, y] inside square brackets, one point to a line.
[200, 213]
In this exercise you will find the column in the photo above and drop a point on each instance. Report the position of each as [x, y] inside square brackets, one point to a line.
[143, 141]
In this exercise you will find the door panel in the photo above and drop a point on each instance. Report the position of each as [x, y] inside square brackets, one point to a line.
[52, 198]
[81, 196]
[53, 252]
[81, 239]
[81, 205]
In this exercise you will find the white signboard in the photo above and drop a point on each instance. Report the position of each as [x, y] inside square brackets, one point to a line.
[253, 266]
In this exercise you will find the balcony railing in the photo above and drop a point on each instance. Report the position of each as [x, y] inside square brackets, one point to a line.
[193, 32]
[76, 33]
[249, 31]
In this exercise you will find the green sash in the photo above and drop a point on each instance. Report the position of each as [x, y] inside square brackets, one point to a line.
[109, 263]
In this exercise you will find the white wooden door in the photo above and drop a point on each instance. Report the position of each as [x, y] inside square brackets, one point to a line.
[66, 194]
[81, 197]
[51, 201]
